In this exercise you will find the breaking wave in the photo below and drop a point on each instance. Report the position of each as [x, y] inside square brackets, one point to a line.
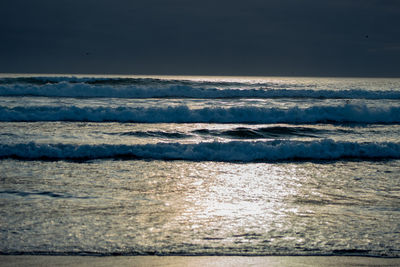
[235, 151]
[259, 133]
[83, 90]
[235, 133]
[159, 88]
[347, 113]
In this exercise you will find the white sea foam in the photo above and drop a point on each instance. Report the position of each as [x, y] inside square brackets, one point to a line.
[154, 90]
[215, 151]
[347, 113]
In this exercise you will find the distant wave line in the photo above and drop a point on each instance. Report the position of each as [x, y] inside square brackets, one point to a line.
[124, 81]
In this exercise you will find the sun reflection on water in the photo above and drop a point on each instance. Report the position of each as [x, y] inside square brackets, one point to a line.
[235, 202]
[208, 208]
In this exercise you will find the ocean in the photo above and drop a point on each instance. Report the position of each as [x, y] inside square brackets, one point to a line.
[163, 165]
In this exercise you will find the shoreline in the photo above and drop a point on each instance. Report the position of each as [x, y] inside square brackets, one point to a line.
[44, 260]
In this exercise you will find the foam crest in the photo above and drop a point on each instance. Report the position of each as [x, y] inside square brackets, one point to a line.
[347, 113]
[156, 89]
[235, 151]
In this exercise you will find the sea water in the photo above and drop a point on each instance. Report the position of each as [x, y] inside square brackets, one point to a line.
[129, 165]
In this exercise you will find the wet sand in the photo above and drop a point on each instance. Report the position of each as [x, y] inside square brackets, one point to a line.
[196, 261]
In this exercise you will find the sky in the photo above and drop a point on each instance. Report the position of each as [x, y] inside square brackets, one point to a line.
[201, 37]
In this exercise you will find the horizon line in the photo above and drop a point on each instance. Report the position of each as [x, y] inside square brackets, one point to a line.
[194, 75]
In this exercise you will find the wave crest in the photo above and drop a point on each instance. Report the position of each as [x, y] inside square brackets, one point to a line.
[169, 88]
[215, 151]
[348, 113]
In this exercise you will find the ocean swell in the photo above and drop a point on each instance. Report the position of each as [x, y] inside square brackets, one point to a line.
[347, 113]
[235, 151]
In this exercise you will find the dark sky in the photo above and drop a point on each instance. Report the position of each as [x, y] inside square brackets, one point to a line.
[201, 37]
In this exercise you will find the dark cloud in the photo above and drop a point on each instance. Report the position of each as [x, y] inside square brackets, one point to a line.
[254, 37]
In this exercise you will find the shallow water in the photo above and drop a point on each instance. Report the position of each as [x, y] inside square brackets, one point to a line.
[178, 207]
